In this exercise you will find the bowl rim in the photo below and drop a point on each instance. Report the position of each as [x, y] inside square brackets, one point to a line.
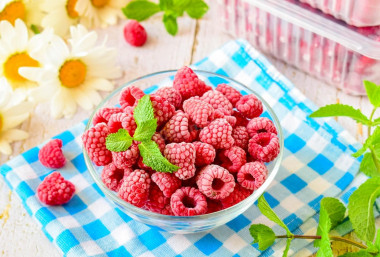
[256, 194]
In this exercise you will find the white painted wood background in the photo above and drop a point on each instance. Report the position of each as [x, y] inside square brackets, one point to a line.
[19, 234]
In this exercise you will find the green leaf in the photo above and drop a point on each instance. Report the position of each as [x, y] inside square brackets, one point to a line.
[263, 235]
[196, 9]
[153, 158]
[145, 130]
[377, 241]
[373, 92]
[182, 4]
[375, 136]
[285, 253]
[371, 248]
[144, 110]
[170, 22]
[324, 227]
[376, 121]
[140, 10]
[270, 214]
[361, 253]
[333, 110]
[367, 165]
[360, 208]
[166, 4]
[119, 141]
[373, 139]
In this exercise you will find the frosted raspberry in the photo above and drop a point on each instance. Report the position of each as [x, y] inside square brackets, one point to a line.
[264, 146]
[230, 93]
[171, 95]
[240, 134]
[219, 113]
[231, 120]
[218, 101]
[238, 195]
[156, 201]
[128, 122]
[218, 134]
[240, 119]
[249, 106]
[215, 182]
[167, 182]
[260, 125]
[129, 96]
[104, 114]
[135, 188]
[213, 205]
[167, 210]
[176, 130]
[205, 153]
[122, 120]
[187, 83]
[127, 158]
[134, 33]
[233, 158]
[94, 141]
[111, 176]
[252, 175]
[200, 113]
[55, 190]
[194, 131]
[51, 155]
[188, 201]
[182, 155]
[163, 110]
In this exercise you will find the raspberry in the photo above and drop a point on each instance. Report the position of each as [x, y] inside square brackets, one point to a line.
[128, 121]
[205, 153]
[194, 132]
[252, 175]
[218, 101]
[167, 210]
[127, 158]
[167, 182]
[171, 95]
[215, 182]
[240, 119]
[188, 201]
[240, 134]
[260, 125]
[55, 190]
[249, 106]
[219, 113]
[51, 156]
[230, 93]
[218, 134]
[104, 114]
[187, 83]
[94, 141]
[163, 110]
[111, 176]
[213, 205]
[122, 120]
[233, 158]
[238, 195]
[200, 113]
[135, 188]
[182, 155]
[129, 96]
[264, 146]
[231, 120]
[176, 130]
[134, 33]
[156, 201]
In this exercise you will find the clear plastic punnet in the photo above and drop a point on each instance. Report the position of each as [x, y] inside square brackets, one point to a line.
[312, 41]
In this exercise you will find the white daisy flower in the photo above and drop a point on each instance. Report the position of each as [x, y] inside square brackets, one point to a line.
[27, 10]
[73, 76]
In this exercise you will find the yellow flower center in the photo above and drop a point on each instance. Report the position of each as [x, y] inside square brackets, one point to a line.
[70, 8]
[13, 11]
[99, 3]
[1, 122]
[72, 73]
[16, 61]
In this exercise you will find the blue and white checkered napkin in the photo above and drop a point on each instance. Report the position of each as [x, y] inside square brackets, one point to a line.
[316, 163]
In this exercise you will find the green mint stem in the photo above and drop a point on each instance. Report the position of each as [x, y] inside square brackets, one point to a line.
[371, 148]
[334, 238]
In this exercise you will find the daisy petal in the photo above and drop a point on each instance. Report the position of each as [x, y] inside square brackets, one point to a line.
[12, 135]
[5, 148]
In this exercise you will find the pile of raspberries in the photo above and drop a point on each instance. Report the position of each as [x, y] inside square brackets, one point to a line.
[216, 137]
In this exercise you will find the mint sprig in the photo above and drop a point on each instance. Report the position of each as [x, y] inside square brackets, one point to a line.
[119, 141]
[324, 227]
[263, 235]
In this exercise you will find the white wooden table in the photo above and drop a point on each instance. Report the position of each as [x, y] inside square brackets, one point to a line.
[19, 234]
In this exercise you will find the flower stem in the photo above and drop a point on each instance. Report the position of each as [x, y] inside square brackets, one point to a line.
[334, 238]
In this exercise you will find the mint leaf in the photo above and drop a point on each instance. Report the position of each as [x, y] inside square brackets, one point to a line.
[373, 139]
[166, 4]
[119, 141]
[367, 165]
[170, 22]
[333, 110]
[140, 10]
[361, 253]
[263, 235]
[145, 130]
[196, 9]
[376, 121]
[270, 214]
[371, 248]
[373, 92]
[181, 3]
[360, 208]
[153, 158]
[285, 253]
[144, 110]
[377, 241]
[324, 227]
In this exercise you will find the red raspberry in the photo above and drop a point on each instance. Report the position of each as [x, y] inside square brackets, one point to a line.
[200, 113]
[156, 201]
[219, 113]
[51, 155]
[233, 158]
[171, 95]
[55, 190]
[249, 106]
[134, 33]
[135, 188]
[104, 114]
[218, 101]
[238, 195]
[231, 120]
[176, 130]
[240, 119]
[252, 175]
[128, 121]
[163, 110]
[215, 182]
[188, 201]
[230, 93]
[264, 146]
[240, 134]
[167, 210]
[187, 83]
[205, 153]
[122, 120]
[94, 141]
[129, 96]
[260, 125]
[194, 131]
[218, 134]
[127, 158]
[111, 176]
[182, 155]
[213, 205]
[167, 182]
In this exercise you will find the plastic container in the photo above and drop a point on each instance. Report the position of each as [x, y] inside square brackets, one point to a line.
[316, 43]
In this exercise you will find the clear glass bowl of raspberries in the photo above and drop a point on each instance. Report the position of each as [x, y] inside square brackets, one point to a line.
[183, 150]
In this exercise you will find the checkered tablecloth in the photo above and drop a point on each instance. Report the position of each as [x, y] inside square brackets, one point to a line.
[316, 163]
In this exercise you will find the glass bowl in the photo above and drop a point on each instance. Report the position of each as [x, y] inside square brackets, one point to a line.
[179, 224]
